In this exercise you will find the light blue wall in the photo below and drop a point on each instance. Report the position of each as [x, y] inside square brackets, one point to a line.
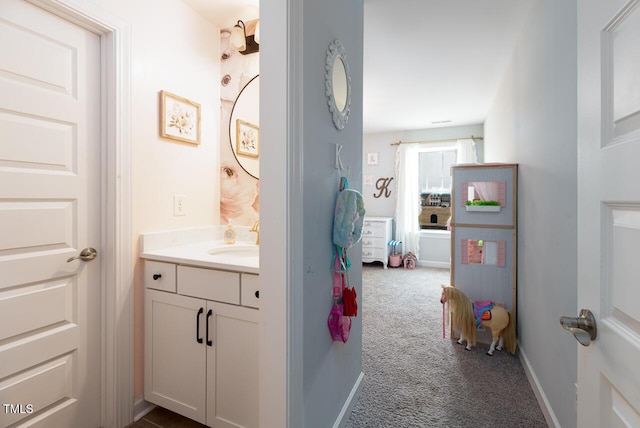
[330, 369]
[299, 361]
[533, 122]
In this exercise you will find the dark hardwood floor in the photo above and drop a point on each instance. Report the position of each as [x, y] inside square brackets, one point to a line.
[163, 418]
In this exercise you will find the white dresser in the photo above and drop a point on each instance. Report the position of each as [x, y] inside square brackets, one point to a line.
[376, 234]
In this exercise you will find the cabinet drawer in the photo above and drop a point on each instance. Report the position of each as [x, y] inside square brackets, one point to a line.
[209, 284]
[374, 253]
[369, 242]
[249, 290]
[160, 276]
[374, 229]
[373, 223]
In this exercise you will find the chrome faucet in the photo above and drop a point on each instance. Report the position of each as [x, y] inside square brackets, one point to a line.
[256, 229]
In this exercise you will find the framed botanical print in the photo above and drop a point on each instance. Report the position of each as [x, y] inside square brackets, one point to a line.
[247, 139]
[179, 118]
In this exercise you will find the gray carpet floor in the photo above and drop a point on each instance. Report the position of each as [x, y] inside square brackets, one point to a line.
[415, 378]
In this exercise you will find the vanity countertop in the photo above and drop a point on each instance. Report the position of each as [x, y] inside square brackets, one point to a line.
[191, 247]
[197, 254]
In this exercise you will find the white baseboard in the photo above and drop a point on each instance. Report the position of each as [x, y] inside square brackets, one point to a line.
[141, 408]
[547, 411]
[441, 265]
[344, 414]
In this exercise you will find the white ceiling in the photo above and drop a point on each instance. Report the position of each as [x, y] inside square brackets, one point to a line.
[225, 13]
[425, 61]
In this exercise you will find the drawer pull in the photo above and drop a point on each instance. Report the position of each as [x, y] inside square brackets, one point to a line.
[156, 276]
[209, 341]
[257, 294]
[198, 338]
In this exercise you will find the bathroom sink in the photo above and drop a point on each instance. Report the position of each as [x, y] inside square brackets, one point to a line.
[235, 251]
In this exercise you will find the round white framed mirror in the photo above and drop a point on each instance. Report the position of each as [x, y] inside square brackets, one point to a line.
[338, 84]
[244, 127]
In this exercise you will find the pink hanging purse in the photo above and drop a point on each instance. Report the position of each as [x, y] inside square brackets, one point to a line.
[339, 325]
[339, 322]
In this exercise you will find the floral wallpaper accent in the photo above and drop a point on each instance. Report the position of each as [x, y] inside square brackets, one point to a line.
[239, 191]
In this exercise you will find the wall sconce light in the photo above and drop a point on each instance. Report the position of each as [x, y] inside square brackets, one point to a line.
[245, 38]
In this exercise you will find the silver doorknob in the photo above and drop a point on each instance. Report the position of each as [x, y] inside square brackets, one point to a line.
[85, 255]
[583, 327]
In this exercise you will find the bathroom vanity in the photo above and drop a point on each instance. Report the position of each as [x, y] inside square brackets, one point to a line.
[201, 328]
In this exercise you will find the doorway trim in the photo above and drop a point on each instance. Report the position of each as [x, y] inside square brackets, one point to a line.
[116, 323]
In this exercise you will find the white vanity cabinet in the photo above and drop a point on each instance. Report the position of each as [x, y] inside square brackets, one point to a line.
[201, 344]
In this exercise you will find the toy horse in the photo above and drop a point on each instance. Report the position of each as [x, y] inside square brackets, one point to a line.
[464, 320]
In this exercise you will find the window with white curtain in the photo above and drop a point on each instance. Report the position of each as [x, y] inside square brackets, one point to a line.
[434, 184]
[412, 179]
[435, 170]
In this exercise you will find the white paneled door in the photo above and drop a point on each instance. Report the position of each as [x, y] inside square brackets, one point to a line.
[49, 212]
[609, 210]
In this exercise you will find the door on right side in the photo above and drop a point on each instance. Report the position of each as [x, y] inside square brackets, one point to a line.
[609, 210]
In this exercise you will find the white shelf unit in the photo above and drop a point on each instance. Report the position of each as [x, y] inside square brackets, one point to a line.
[483, 242]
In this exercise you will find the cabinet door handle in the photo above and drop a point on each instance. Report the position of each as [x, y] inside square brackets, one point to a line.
[156, 276]
[198, 338]
[257, 294]
[209, 341]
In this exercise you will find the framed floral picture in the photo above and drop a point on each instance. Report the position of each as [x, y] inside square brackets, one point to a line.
[179, 118]
[247, 139]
